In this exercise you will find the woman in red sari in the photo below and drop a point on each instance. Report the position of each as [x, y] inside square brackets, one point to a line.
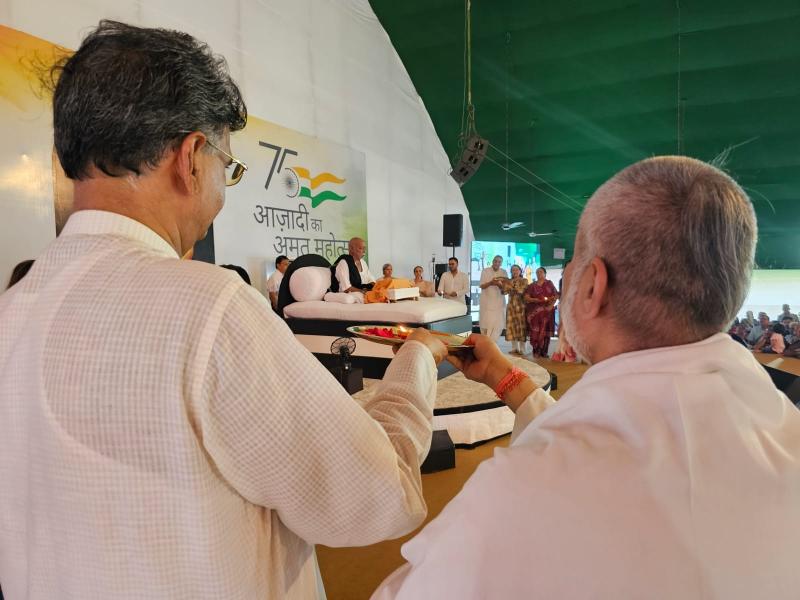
[540, 297]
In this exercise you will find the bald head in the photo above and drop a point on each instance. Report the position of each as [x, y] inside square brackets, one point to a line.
[676, 238]
[357, 248]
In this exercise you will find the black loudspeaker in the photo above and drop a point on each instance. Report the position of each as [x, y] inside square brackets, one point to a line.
[472, 157]
[452, 230]
[439, 270]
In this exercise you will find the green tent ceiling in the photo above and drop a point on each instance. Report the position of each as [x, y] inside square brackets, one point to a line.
[593, 86]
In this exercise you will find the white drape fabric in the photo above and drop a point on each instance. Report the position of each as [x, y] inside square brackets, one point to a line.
[662, 474]
[164, 435]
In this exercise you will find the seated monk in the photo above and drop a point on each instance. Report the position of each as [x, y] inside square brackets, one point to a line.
[350, 272]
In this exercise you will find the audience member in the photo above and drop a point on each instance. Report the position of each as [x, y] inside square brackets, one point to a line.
[772, 341]
[516, 325]
[164, 433]
[758, 329]
[670, 468]
[787, 314]
[274, 282]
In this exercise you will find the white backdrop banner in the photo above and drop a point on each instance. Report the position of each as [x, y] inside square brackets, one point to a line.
[300, 195]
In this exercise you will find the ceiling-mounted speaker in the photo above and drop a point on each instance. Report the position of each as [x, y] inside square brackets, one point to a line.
[472, 157]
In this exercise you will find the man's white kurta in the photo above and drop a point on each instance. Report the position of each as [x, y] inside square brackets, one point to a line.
[458, 283]
[662, 474]
[493, 304]
[343, 274]
[163, 434]
[274, 282]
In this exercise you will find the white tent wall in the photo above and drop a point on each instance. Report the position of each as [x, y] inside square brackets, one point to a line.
[325, 68]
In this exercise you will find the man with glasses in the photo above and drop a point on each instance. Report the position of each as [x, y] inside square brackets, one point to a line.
[164, 435]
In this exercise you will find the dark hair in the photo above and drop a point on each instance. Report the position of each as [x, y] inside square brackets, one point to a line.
[125, 97]
[242, 273]
[542, 268]
[452, 258]
[280, 259]
[516, 265]
[19, 272]
[779, 329]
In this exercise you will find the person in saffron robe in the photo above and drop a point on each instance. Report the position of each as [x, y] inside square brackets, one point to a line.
[540, 297]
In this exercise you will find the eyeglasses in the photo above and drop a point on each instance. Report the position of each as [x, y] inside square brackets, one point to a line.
[231, 177]
[235, 176]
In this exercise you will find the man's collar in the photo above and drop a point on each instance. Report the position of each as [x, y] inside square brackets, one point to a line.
[101, 222]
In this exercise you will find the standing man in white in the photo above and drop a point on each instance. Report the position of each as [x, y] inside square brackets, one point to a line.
[493, 302]
[274, 282]
[454, 285]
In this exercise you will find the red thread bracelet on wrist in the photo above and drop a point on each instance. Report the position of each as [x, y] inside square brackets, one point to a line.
[511, 380]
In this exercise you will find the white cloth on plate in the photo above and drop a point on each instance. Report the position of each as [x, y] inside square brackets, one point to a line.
[662, 474]
[493, 304]
[164, 435]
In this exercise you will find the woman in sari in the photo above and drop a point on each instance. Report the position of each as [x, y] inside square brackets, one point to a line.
[540, 297]
[516, 326]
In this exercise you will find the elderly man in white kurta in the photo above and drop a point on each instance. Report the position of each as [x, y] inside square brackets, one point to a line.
[164, 435]
[350, 272]
[493, 302]
[672, 468]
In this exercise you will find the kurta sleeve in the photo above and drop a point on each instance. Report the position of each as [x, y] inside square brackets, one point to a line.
[531, 407]
[366, 276]
[285, 435]
[343, 276]
[463, 285]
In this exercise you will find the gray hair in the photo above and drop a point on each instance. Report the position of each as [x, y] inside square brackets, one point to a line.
[130, 93]
[678, 238]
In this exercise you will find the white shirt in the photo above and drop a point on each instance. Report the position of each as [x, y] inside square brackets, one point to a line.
[164, 435]
[662, 474]
[458, 284]
[343, 274]
[274, 282]
[492, 302]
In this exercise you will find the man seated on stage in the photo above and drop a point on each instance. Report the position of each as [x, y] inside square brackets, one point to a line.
[350, 271]
[670, 470]
[274, 282]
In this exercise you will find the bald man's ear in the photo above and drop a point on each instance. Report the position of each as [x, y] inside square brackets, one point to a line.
[186, 163]
[593, 288]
